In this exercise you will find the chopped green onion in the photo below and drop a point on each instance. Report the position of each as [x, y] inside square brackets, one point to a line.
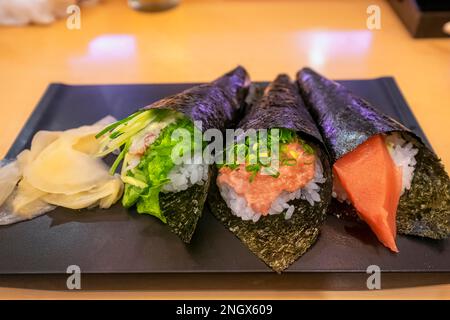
[125, 131]
[253, 175]
[115, 135]
[134, 182]
[263, 144]
[116, 124]
[308, 149]
[276, 175]
[116, 163]
[289, 162]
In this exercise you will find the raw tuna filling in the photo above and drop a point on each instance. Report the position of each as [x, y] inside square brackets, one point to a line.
[373, 177]
[262, 190]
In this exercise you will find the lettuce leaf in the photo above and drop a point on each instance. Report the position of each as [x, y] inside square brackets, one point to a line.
[153, 171]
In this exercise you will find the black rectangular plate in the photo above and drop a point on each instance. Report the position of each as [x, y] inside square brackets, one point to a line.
[119, 241]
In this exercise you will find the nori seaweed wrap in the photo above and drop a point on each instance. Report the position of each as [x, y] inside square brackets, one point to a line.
[348, 124]
[276, 213]
[155, 136]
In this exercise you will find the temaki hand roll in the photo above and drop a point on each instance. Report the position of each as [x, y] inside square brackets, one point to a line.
[173, 191]
[395, 183]
[276, 212]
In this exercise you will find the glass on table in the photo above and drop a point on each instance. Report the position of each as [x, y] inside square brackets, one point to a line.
[152, 5]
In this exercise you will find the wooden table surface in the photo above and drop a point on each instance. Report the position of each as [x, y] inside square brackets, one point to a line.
[199, 40]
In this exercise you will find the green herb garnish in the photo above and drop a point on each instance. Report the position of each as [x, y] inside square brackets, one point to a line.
[256, 161]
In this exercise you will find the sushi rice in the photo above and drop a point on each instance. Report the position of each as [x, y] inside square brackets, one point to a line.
[184, 176]
[239, 207]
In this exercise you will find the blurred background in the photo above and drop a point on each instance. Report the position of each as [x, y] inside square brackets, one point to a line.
[120, 41]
